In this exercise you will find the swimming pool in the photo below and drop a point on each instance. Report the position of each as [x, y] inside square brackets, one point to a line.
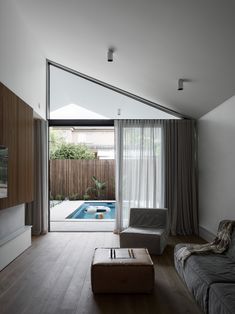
[94, 210]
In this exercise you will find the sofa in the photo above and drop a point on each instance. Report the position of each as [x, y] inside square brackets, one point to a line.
[211, 279]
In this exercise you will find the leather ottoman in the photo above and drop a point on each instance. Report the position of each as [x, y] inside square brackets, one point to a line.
[115, 270]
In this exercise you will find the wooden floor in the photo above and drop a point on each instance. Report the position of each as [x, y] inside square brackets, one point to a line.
[53, 276]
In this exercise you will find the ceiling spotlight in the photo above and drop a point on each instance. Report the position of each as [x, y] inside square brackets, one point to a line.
[180, 84]
[110, 55]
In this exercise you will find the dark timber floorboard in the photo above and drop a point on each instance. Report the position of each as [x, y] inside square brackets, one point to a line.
[53, 277]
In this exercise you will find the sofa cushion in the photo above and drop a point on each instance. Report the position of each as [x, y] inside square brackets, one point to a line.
[231, 251]
[148, 217]
[200, 271]
[144, 231]
[222, 298]
[152, 239]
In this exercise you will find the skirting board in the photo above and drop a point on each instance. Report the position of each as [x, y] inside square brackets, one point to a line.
[206, 235]
[14, 246]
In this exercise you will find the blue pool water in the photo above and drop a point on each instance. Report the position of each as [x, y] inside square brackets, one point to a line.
[94, 210]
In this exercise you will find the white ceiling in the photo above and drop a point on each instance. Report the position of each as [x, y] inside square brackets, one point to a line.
[156, 42]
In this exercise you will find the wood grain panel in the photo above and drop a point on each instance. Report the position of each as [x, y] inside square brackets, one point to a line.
[17, 135]
[25, 152]
[9, 139]
[1, 113]
[70, 177]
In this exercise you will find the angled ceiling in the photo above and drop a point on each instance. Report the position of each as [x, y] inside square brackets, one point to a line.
[156, 42]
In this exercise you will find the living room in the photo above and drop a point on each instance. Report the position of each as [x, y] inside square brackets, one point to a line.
[154, 45]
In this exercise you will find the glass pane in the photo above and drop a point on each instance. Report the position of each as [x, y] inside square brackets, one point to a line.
[73, 97]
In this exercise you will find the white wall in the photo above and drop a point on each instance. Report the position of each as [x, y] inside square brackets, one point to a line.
[22, 70]
[217, 166]
[22, 64]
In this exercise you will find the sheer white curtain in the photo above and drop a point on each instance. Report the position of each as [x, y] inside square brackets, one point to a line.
[139, 167]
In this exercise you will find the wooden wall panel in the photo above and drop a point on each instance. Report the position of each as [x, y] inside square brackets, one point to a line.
[25, 152]
[9, 139]
[1, 113]
[16, 134]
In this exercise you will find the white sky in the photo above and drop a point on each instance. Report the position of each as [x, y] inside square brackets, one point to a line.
[93, 101]
[73, 110]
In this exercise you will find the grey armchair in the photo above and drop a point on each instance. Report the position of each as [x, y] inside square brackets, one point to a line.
[147, 229]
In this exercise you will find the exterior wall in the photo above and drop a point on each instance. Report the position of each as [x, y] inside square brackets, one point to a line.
[99, 140]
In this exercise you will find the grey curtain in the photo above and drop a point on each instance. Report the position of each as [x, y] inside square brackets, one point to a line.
[36, 213]
[181, 197]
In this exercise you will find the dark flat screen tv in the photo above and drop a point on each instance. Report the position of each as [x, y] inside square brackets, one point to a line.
[3, 171]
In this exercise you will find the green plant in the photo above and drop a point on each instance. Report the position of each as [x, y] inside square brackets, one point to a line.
[72, 151]
[97, 190]
[55, 140]
[59, 197]
[86, 197]
[74, 197]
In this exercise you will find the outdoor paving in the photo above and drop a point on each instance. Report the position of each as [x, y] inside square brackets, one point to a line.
[63, 209]
[59, 212]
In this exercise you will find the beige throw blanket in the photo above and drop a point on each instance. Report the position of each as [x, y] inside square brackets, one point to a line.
[218, 246]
